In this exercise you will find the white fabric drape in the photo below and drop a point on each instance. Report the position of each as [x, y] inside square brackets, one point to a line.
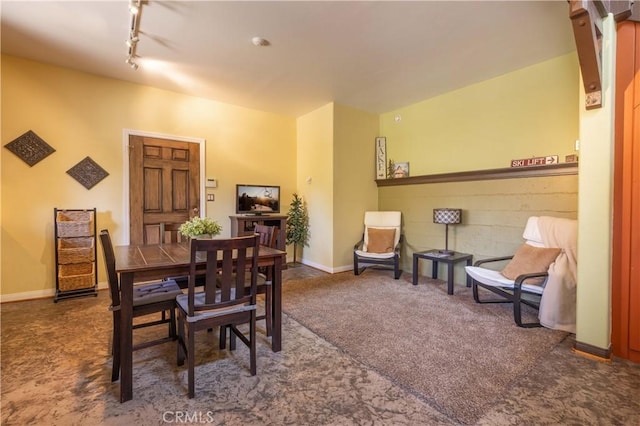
[558, 304]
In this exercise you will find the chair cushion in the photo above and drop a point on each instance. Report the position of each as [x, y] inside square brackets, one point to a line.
[381, 240]
[493, 278]
[183, 303]
[364, 254]
[529, 259]
[155, 292]
[382, 220]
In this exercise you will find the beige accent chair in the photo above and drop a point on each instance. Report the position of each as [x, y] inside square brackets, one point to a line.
[381, 242]
[525, 279]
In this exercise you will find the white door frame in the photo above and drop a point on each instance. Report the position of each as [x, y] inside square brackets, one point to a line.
[125, 172]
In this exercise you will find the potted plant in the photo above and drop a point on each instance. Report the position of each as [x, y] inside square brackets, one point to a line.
[297, 224]
[200, 227]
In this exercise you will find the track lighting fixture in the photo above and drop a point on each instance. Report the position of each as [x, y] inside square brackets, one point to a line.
[132, 63]
[135, 7]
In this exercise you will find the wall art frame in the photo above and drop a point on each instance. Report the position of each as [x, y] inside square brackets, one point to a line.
[381, 158]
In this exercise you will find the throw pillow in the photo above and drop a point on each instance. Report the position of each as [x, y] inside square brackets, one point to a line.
[529, 259]
[380, 240]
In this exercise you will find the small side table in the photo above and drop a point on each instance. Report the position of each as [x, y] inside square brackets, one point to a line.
[435, 256]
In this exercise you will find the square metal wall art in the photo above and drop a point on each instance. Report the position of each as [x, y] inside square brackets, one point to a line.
[88, 173]
[30, 148]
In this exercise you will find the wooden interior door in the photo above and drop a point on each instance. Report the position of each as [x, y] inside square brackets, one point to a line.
[164, 185]
[625, 292]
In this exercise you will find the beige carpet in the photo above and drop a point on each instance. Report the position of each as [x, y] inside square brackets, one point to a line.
[457, 355]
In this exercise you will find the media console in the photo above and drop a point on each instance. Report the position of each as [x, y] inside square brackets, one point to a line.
[243, 224]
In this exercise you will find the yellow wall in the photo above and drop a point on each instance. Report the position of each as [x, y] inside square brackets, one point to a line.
[315, 163]
[83, 115]
[527, 113]
[336, 178]
[596, 198]
[354, 188]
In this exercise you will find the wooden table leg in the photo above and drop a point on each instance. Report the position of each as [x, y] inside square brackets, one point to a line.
[276, 300]
[126, 337]
[450, 278]
[434, 269]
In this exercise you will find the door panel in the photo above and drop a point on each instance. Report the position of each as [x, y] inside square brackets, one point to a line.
[152, 190]
[180, 188]
[164, 184]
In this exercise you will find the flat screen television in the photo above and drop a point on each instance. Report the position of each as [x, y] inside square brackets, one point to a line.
[257, 199]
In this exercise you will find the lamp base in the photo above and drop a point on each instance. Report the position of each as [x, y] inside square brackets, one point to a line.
[446, 252]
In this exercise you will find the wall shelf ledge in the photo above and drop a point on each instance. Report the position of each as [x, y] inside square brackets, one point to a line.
[488, 174]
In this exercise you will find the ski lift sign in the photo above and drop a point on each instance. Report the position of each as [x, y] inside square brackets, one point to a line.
[535, 161]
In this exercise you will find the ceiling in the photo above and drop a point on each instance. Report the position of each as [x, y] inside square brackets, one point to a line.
[374, 56]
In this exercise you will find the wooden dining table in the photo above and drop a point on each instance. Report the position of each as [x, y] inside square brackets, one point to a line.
[136, 263]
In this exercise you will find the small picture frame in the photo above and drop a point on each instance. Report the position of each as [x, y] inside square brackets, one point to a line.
[381, 158]
[401, 170]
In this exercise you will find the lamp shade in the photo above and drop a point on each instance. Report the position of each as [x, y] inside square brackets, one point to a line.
[447, 216]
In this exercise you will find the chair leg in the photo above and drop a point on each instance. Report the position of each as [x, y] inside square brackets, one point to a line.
[223, 337]
[115, 349]
[252, 343]
[356, 271]
[181, 347]
[232, 338]
[474, 290]
[517, 313]
[268, 299]
[172, 324]
[396, 269]
[476, 295]
[191, 362]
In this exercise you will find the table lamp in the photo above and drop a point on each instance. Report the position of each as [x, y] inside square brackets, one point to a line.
[447, 217]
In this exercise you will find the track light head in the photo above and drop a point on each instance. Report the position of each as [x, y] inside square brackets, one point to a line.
[134, 7]
[131, 63]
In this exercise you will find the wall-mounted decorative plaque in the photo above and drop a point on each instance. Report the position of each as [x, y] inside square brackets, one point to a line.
[381, 157]
[30, 148]
[88, 173]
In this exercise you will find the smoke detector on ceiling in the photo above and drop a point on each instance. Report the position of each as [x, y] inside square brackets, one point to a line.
[259, 41]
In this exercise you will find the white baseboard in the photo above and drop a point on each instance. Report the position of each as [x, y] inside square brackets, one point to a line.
[37, 294]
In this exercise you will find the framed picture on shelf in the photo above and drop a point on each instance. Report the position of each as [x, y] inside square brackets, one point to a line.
[400, 170]
[381, 158]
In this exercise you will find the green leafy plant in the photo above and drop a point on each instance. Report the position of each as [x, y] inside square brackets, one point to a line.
[200, 226]
[297, 224]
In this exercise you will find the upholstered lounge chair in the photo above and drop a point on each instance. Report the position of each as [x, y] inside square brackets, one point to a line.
[525, 278]
[380, 244]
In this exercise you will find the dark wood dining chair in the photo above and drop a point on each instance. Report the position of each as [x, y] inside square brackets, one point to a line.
[169, 234]
[162, 233]
[268, 237]
[226, 301]
[156, 297]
